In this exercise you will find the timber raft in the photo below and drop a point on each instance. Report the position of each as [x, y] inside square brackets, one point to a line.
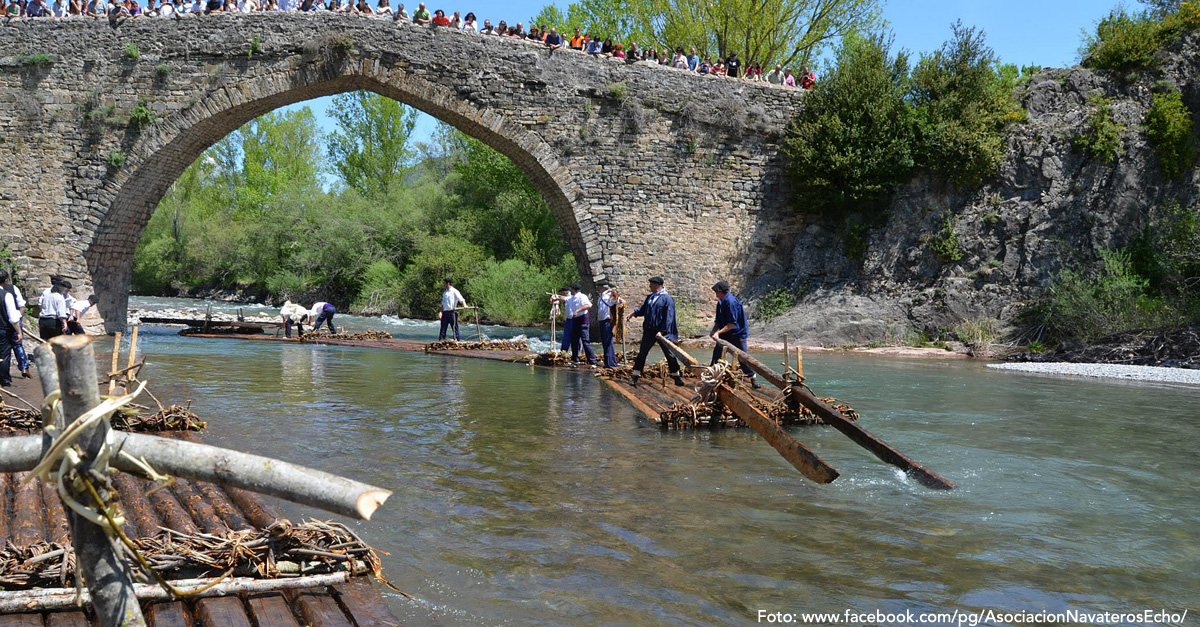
[711, 399]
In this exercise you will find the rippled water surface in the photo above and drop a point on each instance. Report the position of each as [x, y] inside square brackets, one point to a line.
[530, 496]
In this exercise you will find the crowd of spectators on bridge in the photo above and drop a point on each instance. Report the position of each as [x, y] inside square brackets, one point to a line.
[584, 43]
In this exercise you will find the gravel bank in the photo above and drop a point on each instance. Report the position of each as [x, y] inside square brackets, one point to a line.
[1115, 371]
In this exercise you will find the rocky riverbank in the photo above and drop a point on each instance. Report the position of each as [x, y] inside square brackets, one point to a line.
[1172, 348]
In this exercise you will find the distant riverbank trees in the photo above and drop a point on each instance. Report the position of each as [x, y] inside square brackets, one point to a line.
[361, 217]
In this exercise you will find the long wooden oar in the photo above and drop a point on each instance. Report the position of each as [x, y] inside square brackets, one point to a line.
[852, 430]
[796, 454]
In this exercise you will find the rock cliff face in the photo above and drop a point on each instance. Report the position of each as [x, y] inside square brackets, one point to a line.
[1050, 205]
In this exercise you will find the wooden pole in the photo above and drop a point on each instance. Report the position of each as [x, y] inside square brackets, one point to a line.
[112, 593]
[786, 355]
[624, 323]
[132, 355]
[852, 430]
[799, 362]
[116, 361]
[207, 317]
[478, 329]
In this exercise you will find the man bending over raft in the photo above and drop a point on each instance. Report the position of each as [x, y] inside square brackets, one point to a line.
[658, 316]
[293, 314]
[323, 312]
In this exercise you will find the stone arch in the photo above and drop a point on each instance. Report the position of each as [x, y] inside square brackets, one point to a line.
[165, 150]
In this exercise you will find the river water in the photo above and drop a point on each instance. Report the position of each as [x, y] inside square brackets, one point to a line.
[528, 496]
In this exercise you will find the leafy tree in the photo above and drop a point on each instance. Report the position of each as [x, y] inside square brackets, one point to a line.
[852, 144]
[370, 148]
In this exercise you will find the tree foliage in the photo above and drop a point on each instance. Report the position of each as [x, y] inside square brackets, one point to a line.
[1169, 127]
[788, 32]
[370, 148]
[251, 214]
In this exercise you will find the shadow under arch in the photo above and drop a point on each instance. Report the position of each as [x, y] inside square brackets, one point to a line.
[166, 149]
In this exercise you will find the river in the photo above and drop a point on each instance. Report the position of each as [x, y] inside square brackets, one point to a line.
[528, 496]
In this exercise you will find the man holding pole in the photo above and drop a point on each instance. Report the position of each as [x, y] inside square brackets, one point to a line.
[730, 325]
[555, 301]
[609, 302]
[452, 299]
[578, 308]
[658, 316]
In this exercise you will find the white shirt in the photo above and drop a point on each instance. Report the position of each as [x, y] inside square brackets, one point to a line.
[451, 299]
[607, 301]
[70, 300]
[575, 302]
[20, 299]
[79, 308]
[317, 310]
[10, 308]
[54, 307]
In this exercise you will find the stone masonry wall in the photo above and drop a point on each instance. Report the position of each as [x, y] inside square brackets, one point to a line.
[649, 170]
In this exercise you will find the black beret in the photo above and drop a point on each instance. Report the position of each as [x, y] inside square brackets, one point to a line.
[721, 286]
[657, 280]
[602, 283]
[448, 280]
[576, 287]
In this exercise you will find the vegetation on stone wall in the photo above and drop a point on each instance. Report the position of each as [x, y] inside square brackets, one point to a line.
[1131, 41]
[871, 123]
[1101, 135]
[264, 213]
[1169, 127]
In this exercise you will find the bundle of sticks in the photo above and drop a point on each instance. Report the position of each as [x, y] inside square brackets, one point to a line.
[486, 345]
[548, 358]
[370, 334]
[173, 418]
[282, 550]
[18, 421]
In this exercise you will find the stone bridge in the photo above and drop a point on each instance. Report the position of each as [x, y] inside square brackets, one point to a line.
[649, 170]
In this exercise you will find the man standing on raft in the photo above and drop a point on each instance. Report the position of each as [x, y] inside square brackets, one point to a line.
[658, 316]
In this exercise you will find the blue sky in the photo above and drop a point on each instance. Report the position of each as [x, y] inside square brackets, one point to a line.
[1024, 32]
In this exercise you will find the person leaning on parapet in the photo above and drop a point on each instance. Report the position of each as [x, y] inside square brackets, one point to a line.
[10, 332]
[775, 77]
[730, 325]
[421, 16]
[452, 299]
[75, 313]
[554, 40]
[658, 316]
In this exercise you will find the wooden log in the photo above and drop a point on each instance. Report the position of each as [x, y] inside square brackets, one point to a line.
[272, 610]
[318, 608]
[198, 508]
[852, 430]
[169, 614]
[39, 599]
[221, 612]
[224, 507]
[258, 512]
[170, 511]
[116, 359]
[258, 474]
[793, 451]
[57, 529]
[637, 403]
[67, 619]
[362, 601]
[138, 510]
[109, 586]
[5, 479]
[28, 527]
[21, 620]
[223, 467]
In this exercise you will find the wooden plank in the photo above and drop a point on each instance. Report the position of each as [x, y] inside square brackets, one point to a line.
[138, 511]
[67, 619]
[318, 608]
[56, 519]
[852, 430]
[21, 620]
[221, 612]
[364, 604]
[168, 614]
[27, 526]
[793, 451]
[637, 403]
[272, 610]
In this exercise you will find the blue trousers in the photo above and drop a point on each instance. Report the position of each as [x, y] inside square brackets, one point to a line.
[326, 316]
[739, 342]
[607, 339]
[580, 335]
[565, 345]
[449, 319]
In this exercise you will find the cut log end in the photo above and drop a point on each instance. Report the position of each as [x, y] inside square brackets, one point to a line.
[70, 342]
[370, 501]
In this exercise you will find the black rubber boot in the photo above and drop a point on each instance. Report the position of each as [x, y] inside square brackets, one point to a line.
[755, 384]
[633, 381]
[679, 381]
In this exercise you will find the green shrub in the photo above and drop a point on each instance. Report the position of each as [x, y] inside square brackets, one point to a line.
[438, 257]
[1167, 254]
[512, 292]
[116, 158]
[618, 91]
[774, 304]
[1124, 42]
[687, 318]
[255, 46]
[38, 59]
[944, 244]
[131, 51]
[380, 287]
[290, 285]
[1037, 347]
[977, 333]
[851, 146]
[1101, 137]
[964, 100]
[163, 70]
[855, 237]
[141, 115]
[1169, 127]
[1089, 305]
